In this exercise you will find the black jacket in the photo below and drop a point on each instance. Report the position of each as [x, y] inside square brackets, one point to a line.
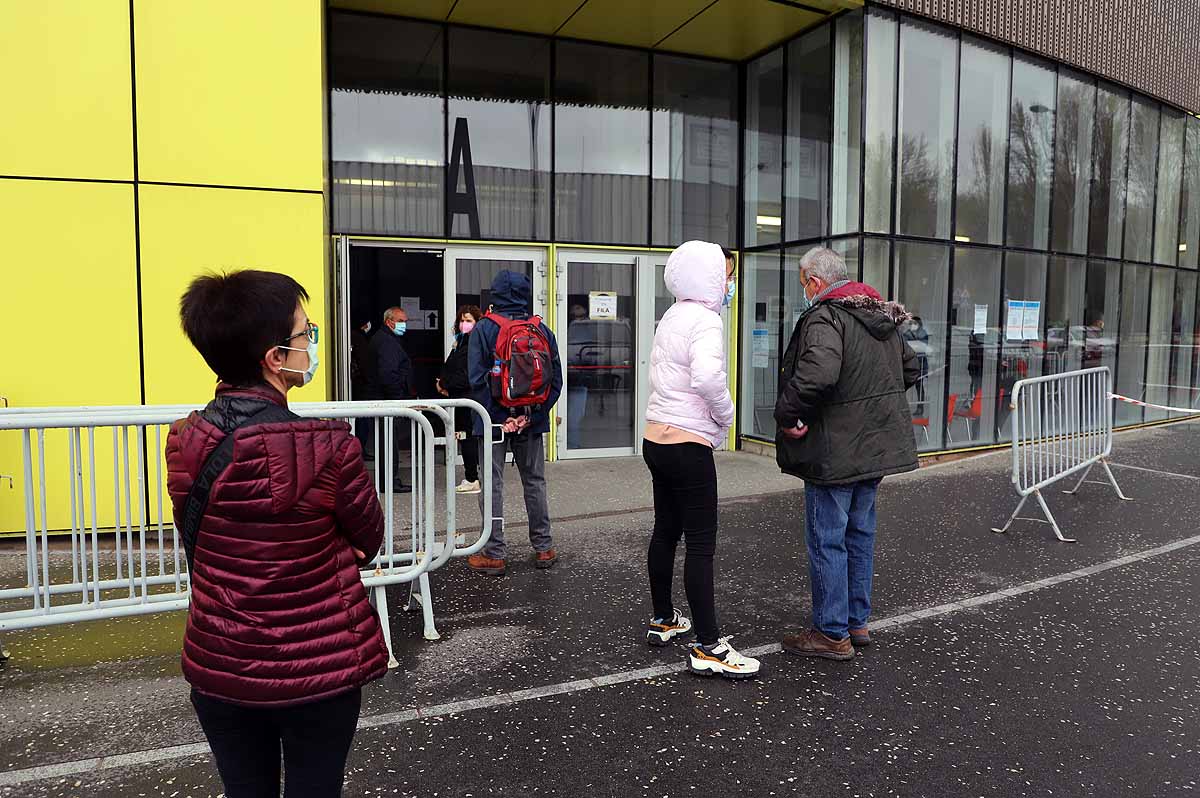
[845, 373]
[455, 378]
[360, 361]
[390, 372]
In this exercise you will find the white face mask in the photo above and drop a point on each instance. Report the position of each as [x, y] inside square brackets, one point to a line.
[313, 362]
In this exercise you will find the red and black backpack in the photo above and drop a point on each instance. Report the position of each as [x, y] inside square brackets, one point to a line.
[521, 369]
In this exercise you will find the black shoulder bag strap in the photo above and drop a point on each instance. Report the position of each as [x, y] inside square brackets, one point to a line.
[214, 466]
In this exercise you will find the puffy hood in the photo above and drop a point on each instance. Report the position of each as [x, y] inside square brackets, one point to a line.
[696, 273]
[512, 294]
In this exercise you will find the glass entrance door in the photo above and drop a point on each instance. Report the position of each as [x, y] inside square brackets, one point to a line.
[602, 355]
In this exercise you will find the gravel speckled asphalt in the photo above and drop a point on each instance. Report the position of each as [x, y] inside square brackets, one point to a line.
[1087, 686]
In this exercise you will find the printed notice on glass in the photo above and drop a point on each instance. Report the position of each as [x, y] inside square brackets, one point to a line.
[761, 348]
[981, 319]
[1014, 321]
[602, 305]
[411, 305]
[1031, 326]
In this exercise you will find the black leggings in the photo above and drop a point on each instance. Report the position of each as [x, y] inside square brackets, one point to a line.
[246, 743]
[685, 505]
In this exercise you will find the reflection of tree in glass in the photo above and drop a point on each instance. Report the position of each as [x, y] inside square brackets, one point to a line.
[1070, 163]
[975, 192]
[923, 175]
[1029, 170]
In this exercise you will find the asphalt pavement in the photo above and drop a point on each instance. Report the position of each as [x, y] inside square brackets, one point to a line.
[1005, 665]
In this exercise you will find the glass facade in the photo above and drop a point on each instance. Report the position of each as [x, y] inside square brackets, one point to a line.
[988, 178]
[955, 175]
[463, 133]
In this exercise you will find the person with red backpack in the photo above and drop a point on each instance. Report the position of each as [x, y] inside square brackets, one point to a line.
[516, 373]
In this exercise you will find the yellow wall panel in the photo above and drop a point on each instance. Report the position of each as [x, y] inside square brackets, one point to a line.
[66, 90]
[189, 231]
[68, 317]
[230, 92]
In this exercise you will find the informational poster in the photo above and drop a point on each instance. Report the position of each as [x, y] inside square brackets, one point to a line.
[1024, 320]
[760, 350]
[602, 305]
[412, 308]
[430, 318]
[1031, 327]
[981, 320]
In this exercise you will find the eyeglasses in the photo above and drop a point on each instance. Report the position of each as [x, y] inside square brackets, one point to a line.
[312, 331]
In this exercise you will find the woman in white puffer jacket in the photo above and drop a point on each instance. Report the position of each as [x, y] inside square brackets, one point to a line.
[689, 414]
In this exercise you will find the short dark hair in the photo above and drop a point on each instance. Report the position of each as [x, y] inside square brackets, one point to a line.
[727, 253]
[234, 318]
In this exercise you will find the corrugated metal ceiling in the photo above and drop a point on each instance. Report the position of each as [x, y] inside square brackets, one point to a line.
[729, 29]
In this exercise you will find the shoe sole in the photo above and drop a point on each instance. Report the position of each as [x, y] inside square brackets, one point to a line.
[544, 564]
[653, 639]
[860, 643]
[833, 655]
[488, 571]
[724, 674]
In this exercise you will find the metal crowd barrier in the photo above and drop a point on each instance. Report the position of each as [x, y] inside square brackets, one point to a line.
[141, 568]
[1062, 425]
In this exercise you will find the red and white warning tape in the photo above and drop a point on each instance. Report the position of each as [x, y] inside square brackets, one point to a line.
[1190, 411]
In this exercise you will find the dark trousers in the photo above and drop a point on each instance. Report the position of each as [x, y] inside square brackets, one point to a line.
[246, 742]
[685, 505]
[469, 449]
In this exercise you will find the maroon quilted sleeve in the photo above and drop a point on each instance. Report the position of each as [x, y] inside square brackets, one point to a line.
[359, 516]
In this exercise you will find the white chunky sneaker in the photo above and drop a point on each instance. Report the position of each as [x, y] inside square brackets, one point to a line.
[660, 632]
[467, 487]
[721, 659]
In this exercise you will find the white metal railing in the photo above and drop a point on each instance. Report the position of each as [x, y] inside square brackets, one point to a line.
[125, 553]
[1062, 425]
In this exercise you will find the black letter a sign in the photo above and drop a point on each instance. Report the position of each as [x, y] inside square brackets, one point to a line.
[461, 202]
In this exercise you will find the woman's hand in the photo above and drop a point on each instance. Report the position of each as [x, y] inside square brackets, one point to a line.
[358, 555]
[797, 432]
[441, 389]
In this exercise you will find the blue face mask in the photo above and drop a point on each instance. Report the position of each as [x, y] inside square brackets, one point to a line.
[730, 290]
[400, 328]
[309, 372]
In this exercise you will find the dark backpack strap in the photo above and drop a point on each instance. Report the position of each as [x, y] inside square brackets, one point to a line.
[220, 458]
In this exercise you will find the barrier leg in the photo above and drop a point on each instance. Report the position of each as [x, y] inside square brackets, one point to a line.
[1050, 518]
[379, 600]
[421, 596]
[1113, 480]
[1011, 518]
[1082, 480]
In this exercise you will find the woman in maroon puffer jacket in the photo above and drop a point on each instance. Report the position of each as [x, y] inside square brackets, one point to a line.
[280, 636]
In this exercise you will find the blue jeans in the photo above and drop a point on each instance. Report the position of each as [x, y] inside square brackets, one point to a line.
[840, 526]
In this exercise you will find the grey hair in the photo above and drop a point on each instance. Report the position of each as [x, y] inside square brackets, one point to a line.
[392, 313]
[824, 264]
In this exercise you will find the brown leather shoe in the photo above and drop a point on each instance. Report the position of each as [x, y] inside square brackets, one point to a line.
[483, 564]
[545, 559]
[860, 638]
[811, 643]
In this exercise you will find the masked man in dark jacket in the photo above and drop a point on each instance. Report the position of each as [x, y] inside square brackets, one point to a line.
[844, 424]
[512, 298]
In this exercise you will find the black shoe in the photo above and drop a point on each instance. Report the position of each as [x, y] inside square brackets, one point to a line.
[398, 488]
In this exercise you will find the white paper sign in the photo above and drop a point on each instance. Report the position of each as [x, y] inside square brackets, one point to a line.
[761, 349]
[1014, 320]
[1031, 327]
[430, 319]
[981, 319]
[412, 308]
[602, 305]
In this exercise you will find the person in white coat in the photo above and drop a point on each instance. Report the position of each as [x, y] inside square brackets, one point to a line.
[689, 415]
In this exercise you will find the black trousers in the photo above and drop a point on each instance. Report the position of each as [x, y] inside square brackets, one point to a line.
[246, 742]
[685, 505]
[469, 449]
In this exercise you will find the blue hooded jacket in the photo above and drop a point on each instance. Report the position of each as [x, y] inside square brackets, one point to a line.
[512, 297]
